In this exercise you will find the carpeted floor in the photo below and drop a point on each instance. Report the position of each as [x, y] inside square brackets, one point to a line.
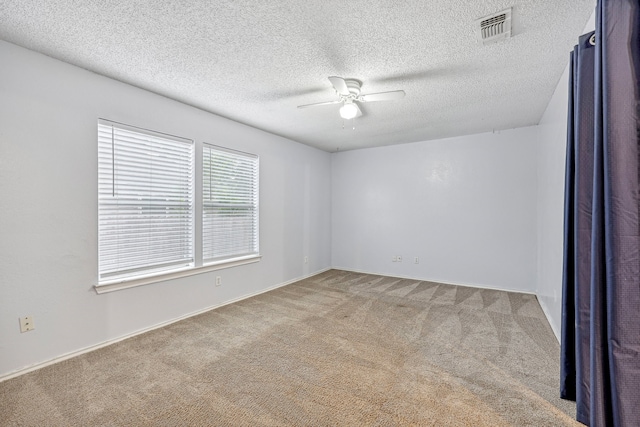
[337, 349]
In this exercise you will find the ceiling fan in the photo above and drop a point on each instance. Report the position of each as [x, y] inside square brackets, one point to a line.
[349, 92]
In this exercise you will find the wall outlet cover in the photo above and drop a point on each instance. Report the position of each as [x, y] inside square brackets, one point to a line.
[26, 324]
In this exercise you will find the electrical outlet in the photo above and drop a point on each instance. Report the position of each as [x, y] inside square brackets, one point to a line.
[218, 280]
[306, 260]
[394, 259]
[399, 258]
[416, 260]
[26, 324]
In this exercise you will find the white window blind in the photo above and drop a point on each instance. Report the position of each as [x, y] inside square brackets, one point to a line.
[230, 204]
[145, 202]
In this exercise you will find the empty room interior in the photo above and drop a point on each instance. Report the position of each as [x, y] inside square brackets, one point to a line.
[354, 212]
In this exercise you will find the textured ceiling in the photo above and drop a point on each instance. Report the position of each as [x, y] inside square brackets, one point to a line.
[255, 61]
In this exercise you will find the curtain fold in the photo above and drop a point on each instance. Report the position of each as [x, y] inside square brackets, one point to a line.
[600, 355]
[568, 332]
[578, 228]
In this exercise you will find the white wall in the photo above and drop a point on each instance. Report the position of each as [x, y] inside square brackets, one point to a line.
[550, 198]
[464, 206]
[481, 210]
[48, 213]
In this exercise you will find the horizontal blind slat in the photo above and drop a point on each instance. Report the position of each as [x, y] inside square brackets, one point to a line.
[145, 201]
[230, 204]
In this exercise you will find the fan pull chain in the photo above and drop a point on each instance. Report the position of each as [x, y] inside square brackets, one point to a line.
[353, 121]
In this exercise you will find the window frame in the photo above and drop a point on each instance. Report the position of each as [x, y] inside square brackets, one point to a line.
[197, 266]
[244, 162]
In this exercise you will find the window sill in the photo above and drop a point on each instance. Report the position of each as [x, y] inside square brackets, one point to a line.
[105, 287]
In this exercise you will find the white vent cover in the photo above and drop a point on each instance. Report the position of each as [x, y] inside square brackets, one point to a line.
[495, 27]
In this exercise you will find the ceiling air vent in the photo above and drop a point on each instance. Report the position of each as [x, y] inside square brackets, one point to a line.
[495, 27]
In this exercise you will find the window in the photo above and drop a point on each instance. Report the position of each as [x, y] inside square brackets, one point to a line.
[146, 207]
[145, 202]
[230, 204]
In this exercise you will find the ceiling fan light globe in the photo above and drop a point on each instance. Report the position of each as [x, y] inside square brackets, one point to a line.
[348, 111]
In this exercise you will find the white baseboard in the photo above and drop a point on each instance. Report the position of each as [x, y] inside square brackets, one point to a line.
[91, 348]
[79, 352]
[423, 279]
[545, 309]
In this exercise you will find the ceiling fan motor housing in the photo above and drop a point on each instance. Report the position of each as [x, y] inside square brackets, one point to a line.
[354, 87]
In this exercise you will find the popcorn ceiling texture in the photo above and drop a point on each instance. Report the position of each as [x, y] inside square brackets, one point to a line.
[255, 61]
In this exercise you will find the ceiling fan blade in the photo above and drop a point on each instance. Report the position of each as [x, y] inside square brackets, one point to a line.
[382, 96]
[359, 111]
[320, 103]
[340, 85]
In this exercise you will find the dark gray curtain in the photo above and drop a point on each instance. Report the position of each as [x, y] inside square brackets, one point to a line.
[600, 366]
[578, 226]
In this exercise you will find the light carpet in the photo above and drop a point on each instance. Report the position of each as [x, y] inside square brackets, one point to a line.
[337, 349]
